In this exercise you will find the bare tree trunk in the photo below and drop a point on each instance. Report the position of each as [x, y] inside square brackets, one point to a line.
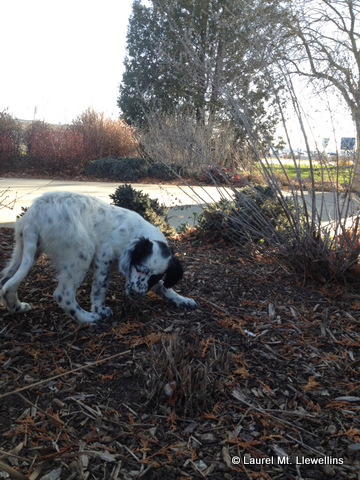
[356, 177]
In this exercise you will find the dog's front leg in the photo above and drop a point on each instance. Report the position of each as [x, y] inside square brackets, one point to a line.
[169, 295]
[100, 284]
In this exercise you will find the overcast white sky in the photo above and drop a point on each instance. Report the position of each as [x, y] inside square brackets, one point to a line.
[324, 116]
[61, 57]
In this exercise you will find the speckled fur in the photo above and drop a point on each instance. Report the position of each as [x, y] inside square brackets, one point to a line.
[79, 231]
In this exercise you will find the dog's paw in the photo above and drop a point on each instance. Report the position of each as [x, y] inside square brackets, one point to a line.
[190, 303]
[22, 307]
[86, 317]
[104, 312]
[2, 299]
[184, 302]
[18, 307]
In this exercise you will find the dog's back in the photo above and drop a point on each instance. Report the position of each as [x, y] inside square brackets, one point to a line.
[68, 226]
[61, 220]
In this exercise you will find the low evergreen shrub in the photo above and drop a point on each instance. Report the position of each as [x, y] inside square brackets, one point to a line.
[132, 169]
[126, 196]
[254, 214]
[123, 169]
[165, 172]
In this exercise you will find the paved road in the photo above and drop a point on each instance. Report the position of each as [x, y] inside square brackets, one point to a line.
[183, 201]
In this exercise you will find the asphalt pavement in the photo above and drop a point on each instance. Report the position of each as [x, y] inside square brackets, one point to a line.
[183, 201]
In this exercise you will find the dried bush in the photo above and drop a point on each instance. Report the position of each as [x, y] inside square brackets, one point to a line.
[187, 375]
[10, 140]
[180, 140]
[104, 137]
[55, 149]
[37, 127]
[254, 214]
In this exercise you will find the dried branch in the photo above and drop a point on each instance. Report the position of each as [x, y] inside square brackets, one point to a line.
[70, 372]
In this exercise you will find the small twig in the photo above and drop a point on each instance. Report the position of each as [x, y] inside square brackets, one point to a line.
[5, 328]
[131, 453]
[11, 471]
[274, 417]
[307, 447]
[78, 369]
[220, 309]
[13, 453]
[57, 420]
[299, 476]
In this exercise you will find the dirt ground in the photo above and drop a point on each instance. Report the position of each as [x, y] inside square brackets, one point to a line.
[261, 381]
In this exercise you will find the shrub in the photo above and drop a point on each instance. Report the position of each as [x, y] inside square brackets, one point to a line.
[126, 196]
[56, 149]
[10, 139]
[184, 373]
[103, 168]
[254, 214]
[37, 127]
[123, 169]
[132, 169]
[166, 172]
[281, 226]
[217, 175]
[104, 137]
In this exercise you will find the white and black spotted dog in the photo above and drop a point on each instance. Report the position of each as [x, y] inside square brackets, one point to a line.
[80, 231]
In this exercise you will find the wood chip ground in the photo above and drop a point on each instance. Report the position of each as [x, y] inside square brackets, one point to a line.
[262, 381]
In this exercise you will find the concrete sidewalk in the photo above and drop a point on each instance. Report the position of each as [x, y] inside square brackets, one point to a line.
[183, 202]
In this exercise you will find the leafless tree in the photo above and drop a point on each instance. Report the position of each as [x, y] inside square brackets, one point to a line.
[329, 51]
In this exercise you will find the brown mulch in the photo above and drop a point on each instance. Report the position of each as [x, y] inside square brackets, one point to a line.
[262, 381]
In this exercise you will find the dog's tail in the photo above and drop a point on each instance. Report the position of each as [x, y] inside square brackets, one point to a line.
[15, 261]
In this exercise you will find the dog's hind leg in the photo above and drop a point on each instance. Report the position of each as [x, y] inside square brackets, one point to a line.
[22, 260]
[16, 257]
[13, 265]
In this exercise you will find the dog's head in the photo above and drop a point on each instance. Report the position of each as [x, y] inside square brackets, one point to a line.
[145, 262]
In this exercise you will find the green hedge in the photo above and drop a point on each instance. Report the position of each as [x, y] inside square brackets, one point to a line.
[162, 172]
[123, 169]
[132, 169]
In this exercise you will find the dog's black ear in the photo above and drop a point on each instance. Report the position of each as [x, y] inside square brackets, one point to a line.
[143, 249]
[125, 260]
[138, 250]
[174, 273]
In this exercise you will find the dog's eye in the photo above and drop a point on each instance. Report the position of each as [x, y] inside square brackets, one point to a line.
[141, 270]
